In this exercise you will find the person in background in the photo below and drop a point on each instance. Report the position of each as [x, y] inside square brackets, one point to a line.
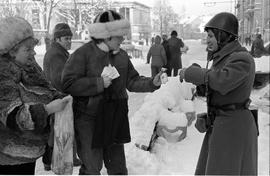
[257, 47]
[158, 55]
[175, 62]
[97, 76]
[165, 45]
[153, 40]
[53, 64]
[230, 143]
[27, 100]
[47, 41]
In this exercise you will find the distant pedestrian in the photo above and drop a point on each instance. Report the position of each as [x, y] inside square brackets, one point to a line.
[47, 41]
[257, 48]
[175, 62]
[249, 40]
[158, 55]
[165, 44]
[153, 40]
[246, 40]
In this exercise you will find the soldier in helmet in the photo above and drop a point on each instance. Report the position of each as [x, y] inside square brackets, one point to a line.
[230, 143]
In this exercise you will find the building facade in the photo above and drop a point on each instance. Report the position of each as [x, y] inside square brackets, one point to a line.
[254, 18]
[139, 16]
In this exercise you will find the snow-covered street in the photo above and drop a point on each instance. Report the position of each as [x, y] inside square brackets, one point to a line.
[179, 158]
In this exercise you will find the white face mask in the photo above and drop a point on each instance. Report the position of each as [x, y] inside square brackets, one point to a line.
[114, 42]
[103, 47]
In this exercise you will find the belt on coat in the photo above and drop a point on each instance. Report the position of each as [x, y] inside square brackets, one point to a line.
[215, 110]
[231, 107]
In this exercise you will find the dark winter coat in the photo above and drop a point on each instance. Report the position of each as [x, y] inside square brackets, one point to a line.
[230, 146]
[24, 125]
[53, 64]
[82, 79]
[175, 54]
[257, 48]
[165, 44]
[158, 55]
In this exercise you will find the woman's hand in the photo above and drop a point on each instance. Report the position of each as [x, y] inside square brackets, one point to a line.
[106, 81]
[157, 80]
[182, 74]
[56, 105]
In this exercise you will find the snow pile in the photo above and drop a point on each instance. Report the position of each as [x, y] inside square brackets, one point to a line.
[262, 64]
[170, 107]
[40, 49]
[261, 98]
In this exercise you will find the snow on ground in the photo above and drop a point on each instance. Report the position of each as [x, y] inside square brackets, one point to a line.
[181, 158]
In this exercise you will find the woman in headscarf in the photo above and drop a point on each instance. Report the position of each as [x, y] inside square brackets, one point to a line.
[26, 100]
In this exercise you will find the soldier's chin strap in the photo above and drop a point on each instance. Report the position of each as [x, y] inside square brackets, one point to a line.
[207, 91]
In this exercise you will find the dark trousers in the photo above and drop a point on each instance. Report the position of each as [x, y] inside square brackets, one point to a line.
[47, 156]
[169, 71]
[155, 70]
[93, 158]
[21, 169]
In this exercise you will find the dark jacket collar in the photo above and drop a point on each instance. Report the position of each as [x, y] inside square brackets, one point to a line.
[59, 47]
[231, 47]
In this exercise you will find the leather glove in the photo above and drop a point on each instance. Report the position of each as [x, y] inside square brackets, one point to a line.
[157, 79]
[191, 116]
[201, 90]
[195, 75]
[182, 74]
[182, 71]
[201, 122]
[197, 65]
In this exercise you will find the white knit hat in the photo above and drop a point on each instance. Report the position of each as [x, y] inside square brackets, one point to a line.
[13, 30]
[106, 25]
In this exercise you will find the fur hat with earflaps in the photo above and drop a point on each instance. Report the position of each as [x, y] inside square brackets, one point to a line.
[108, 24]
[13, 30]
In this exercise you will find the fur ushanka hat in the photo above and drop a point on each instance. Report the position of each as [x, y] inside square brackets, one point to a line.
[108, 24]
[61, 29]
[13, 30]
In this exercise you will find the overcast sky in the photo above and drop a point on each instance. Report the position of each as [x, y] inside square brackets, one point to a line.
[195, 7]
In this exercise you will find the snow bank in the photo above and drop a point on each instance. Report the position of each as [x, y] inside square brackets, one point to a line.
[166, 106]
[262, 64]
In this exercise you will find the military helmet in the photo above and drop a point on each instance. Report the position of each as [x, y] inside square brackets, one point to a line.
[224, 21]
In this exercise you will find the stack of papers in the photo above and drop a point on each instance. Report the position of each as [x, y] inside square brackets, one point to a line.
[110, 71]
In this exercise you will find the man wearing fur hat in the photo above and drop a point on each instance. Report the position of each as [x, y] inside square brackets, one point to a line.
[97, 76]
[53, 64]
[27, 100]
[57, 55]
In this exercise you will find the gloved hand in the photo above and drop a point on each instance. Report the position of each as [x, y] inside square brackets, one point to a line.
[157, 79]
[195, 64]
[182, 71]
[56, 105]
[191, 116]
[182, 74]
[201, 90]
[200, 124]
[193, 74]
